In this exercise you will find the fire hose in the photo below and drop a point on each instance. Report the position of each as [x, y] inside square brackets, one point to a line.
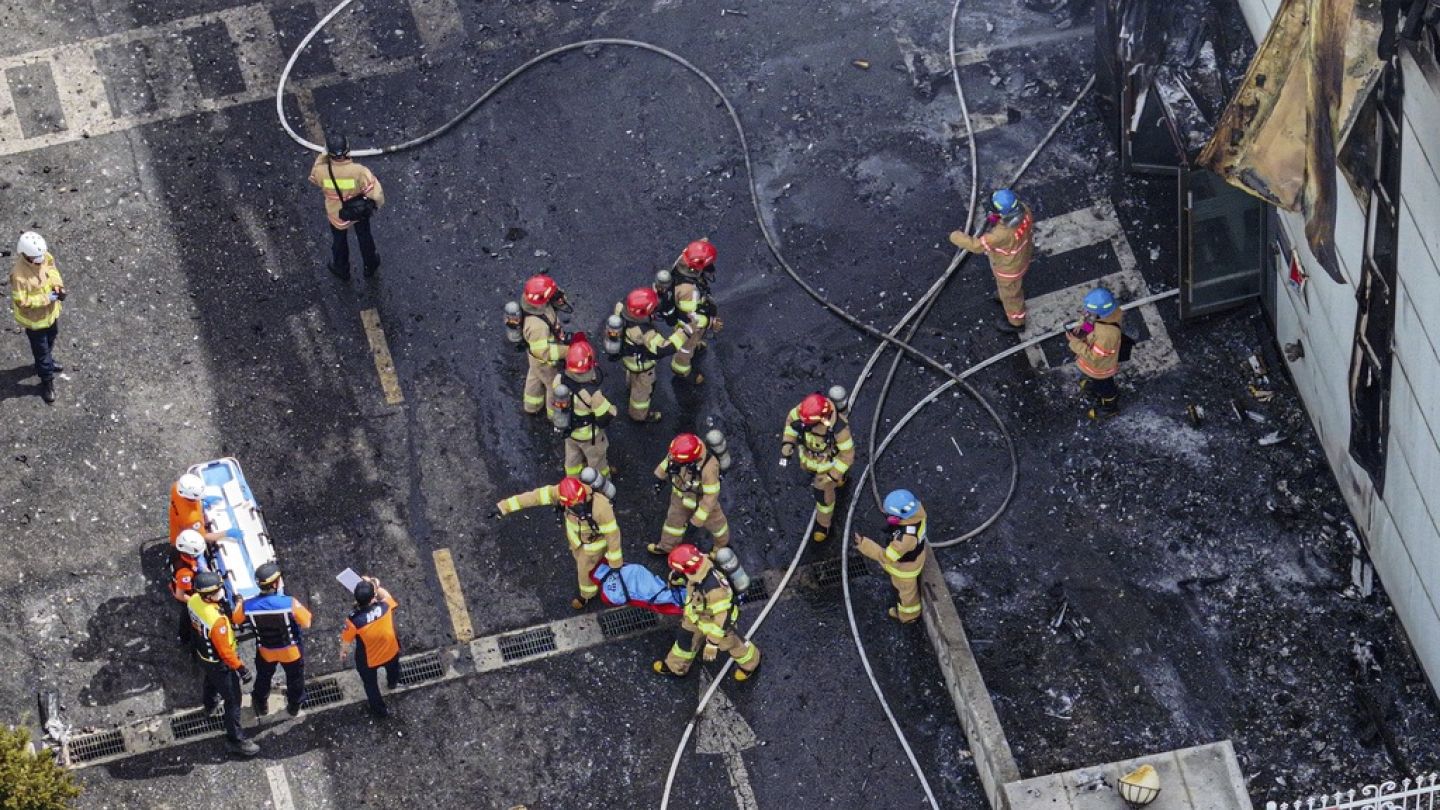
[889, 338]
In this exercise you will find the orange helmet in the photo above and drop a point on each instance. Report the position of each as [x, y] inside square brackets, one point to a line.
[686, 448]
[539, 290]
[642, 302]
[816, 408]
[580, 358]
[685, 558]
[572, 491]
[699, 254]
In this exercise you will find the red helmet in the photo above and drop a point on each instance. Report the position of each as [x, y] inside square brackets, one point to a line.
[699, 254]
[815, 409]
[686, 448]
[685, 558]
[580, 358]
[572, 491]
[539, 290]
[642, 302]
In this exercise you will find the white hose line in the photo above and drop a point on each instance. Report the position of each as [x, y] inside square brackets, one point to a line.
[904, 420]
[876, 416]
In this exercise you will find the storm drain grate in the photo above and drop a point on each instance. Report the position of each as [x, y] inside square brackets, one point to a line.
[420, 668]
[756, 592]
[827, 573]
[322, 693]
[527, 644]
[626, 620]
[98, 745]
[195, 724]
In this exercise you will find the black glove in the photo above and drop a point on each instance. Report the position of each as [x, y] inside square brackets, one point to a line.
[659, 485]
[245, 675]
[494, 514]
[60, 294]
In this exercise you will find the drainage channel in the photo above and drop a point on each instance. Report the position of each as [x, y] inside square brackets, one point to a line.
[563, 636]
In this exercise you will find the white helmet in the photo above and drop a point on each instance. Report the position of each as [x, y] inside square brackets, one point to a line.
[31, 246]
[190, 542]
[190, 486]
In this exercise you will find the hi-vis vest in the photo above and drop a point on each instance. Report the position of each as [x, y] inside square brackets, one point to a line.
[204, 616]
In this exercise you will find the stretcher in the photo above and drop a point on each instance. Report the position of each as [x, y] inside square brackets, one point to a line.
[637, 586]
[230, 507]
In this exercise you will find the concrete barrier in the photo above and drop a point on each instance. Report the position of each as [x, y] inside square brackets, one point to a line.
[993, 759]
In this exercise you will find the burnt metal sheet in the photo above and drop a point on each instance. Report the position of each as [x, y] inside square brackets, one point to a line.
[1280, 134]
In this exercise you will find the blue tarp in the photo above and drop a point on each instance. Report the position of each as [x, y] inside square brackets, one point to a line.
[637, 586]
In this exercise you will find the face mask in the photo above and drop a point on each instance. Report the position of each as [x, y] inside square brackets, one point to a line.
[892, 521]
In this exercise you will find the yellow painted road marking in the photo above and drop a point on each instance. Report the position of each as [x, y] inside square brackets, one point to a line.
[380, 349]
[454, 599]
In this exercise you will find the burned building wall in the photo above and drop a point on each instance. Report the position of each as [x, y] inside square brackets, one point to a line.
[1401, 519]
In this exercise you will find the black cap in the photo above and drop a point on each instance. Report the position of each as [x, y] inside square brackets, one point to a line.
[267, 574]
[207, 582]
[364, 592]
[337, 145]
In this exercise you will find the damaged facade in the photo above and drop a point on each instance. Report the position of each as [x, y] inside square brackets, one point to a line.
[1364, 348]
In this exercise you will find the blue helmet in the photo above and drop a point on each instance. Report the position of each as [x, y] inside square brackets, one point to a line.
[1005, 202]
[902, 503]
[1100, 302]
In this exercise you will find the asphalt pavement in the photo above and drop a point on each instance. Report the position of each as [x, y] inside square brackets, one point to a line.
[202, 323]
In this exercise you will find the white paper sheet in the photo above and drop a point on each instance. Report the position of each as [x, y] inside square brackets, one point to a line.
[348, 578]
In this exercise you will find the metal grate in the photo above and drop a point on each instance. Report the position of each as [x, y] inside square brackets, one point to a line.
[420, 668]
[527, 644]
[827, 572]
[756, 592]
[98, 745]
[322, 692]
[195, 724]
[626, 620]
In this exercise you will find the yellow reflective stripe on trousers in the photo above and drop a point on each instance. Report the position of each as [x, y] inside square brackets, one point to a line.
[907, 608]
[674, 531]
[710, 489]
[750, 649]
[681, 653]
[895, 572]
[608, 528]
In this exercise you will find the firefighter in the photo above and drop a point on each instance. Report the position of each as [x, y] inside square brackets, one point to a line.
[590, 528]
[1096, 343]
[586, 443]
[710, 613]
[693, 272]
[215, 647]
[904, 556]
[693, 473]
[344, 180]
[36, 295]
[187, 511]
[641, 347]
[371, 626]
[1009, 245]
[827, 450]
[543, 339]
[279, 619]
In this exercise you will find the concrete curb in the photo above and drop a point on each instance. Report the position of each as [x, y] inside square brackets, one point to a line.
[993, 759]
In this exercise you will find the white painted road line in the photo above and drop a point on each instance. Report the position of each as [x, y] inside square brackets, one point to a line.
[1079, 229]
[279, 787]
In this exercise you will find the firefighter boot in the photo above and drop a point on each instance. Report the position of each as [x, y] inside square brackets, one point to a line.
[244, 748]
[661, 669]
[1105, 408]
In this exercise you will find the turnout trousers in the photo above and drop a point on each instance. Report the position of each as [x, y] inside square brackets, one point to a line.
[677, 517]
[642, 388]
[687, 644]
[592, 453]
[538, 379]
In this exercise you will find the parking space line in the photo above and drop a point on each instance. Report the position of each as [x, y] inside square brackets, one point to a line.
[380, 350]
[454, 597]
[279, 787]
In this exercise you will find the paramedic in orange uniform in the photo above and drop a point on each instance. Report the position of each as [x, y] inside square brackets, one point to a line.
[186, 510]
[372, 627]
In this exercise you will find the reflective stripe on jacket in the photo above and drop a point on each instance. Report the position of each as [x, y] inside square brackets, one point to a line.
[30, 289]
[215, 637]
[351, 180]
